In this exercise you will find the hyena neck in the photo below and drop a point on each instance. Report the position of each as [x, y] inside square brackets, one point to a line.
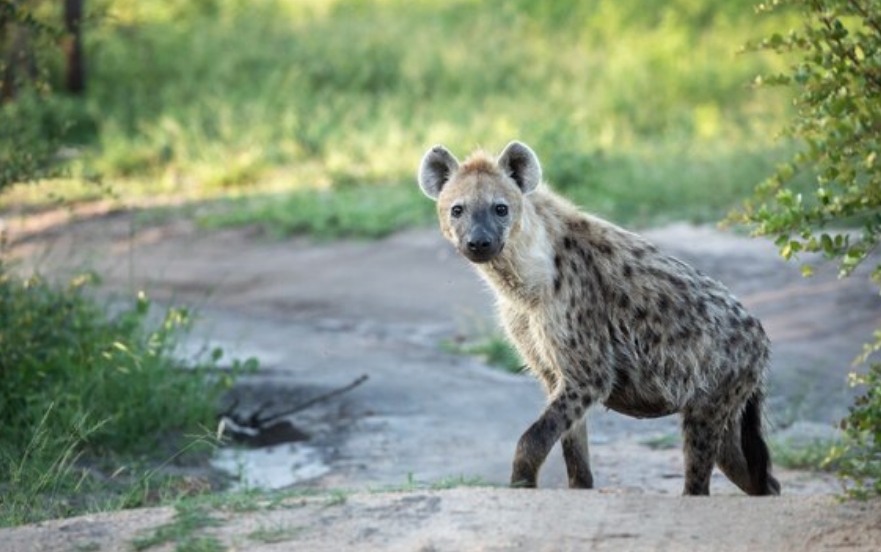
[524, 270]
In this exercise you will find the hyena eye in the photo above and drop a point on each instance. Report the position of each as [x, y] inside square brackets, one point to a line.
[502, 210]
[456, 211]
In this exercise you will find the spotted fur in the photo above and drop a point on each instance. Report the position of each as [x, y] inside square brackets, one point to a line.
[603, 317]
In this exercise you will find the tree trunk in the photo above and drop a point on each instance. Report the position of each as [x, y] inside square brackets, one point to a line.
[73, 46]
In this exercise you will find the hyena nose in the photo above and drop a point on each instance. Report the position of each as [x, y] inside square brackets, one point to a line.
[479, 245]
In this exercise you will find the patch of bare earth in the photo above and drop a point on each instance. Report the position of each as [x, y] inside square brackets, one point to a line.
[320, 315]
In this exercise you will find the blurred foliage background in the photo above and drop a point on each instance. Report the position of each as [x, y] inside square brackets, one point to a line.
[639, 113]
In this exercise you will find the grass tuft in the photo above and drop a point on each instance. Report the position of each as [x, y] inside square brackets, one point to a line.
[492, 349]
[94, 404]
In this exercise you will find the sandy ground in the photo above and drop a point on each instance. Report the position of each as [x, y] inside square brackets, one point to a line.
[495, 520]
[320, 315]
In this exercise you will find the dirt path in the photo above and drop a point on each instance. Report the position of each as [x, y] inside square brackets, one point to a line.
[320, 315]
[495, 520]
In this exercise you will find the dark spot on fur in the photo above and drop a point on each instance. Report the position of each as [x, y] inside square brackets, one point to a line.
[640, 313]
[622, 379]
[668, 368]
[627, 270]
[663, 303]
[600, 281]
[558, 283]
[568, 243]
[678, 284]
[604, 247]
[731, 345]
[623, 301]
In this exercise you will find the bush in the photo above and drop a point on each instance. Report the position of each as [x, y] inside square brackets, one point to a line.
[27, 146]
[835, 181]
[82, 392]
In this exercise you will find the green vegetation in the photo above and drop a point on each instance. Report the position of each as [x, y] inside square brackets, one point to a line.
[195, 514]
[274, 534]
[491, 348]
[813, 455]
[837, 76]
[93, 403]
[189, 519]
[663, 442]
[313, 114]
[28, 142]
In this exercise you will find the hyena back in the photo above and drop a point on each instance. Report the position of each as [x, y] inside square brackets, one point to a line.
[601, 316]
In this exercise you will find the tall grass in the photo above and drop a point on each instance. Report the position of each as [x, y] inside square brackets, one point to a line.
[91, 402]
[642, 114]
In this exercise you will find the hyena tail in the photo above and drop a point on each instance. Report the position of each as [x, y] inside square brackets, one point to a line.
[755, 451]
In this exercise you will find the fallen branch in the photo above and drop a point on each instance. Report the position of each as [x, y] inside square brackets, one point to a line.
[256, 421]
[314, 400]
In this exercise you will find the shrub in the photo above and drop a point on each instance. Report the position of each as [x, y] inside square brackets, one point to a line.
[835, 180]
[83, 391]
[27, 147]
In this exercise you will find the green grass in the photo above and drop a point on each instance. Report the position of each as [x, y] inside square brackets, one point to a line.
[94, 404]
[812, 455]
[196, 514]
[190, 518]
[310, 116]
[663, 442]
[490, 348]
[274, 534]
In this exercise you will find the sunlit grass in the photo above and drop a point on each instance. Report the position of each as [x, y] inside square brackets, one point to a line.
[640, 115]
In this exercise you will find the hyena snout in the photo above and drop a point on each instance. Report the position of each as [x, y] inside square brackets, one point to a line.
[481, 246]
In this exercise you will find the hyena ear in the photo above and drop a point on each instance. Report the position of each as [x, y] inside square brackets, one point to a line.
[520, 163]
[437, 166]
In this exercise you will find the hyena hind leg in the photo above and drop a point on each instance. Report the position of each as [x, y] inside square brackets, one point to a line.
[577, 456]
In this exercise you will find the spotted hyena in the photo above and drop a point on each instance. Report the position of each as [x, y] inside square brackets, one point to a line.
[601, 316]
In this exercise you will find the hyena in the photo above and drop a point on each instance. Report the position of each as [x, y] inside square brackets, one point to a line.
[600, 315]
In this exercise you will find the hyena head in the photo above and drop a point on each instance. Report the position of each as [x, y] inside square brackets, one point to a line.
[480, 202]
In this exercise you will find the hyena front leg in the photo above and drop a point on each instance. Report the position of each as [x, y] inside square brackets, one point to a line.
[560, 415]
[577, 457]
[574, 441]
